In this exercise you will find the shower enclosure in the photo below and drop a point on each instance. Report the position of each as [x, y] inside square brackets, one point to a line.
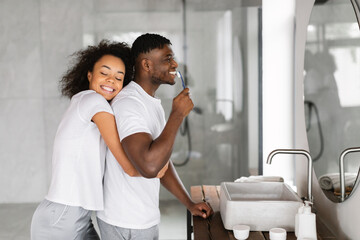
[216, 44]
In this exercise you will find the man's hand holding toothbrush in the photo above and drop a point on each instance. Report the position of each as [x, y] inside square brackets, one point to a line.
[182, 104]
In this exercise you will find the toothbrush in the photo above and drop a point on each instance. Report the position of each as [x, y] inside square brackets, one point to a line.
[182, 80]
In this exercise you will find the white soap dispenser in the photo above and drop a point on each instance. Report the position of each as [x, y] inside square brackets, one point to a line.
[305, 223]
[300, 211]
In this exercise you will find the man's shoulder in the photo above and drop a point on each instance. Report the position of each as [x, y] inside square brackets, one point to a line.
[127, 93]
[128, 100]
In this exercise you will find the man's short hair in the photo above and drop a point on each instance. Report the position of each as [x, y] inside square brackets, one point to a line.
[147, 42]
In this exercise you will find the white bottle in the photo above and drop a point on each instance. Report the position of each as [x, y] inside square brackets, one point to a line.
[305, 223]
[300, 211]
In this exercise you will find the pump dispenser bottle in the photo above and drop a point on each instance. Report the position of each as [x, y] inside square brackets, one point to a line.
[305, 223]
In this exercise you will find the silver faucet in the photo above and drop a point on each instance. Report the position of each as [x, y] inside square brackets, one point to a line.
[310, 163]
[342, 173]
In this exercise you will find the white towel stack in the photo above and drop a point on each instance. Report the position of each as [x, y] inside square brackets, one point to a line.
[332, 180]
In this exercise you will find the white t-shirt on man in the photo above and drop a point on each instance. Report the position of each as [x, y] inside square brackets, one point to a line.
[79, 154]
[132, 202]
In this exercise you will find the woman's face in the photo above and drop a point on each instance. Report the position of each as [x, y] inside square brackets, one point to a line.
[107, 77]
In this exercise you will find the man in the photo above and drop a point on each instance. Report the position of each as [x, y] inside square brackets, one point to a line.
[132, 203]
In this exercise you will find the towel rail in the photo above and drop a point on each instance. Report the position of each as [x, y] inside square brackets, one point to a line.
[342, 172]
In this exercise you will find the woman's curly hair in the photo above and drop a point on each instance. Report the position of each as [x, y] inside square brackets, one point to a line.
[75, 79]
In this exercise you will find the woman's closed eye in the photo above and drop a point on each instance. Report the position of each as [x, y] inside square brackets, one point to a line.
[119, 76]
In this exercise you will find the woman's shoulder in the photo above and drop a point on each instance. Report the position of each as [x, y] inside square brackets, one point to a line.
[89, 102]
[89, 97]
[84, 93]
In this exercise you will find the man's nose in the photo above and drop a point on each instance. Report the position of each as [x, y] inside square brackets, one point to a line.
[175, 63]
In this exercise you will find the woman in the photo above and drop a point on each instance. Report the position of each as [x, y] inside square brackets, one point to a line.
[98, 74]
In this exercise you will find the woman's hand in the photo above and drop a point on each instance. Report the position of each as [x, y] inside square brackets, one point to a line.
[163, 171]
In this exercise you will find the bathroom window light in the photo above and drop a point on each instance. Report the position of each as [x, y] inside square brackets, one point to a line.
[224, 88]
[348, 30]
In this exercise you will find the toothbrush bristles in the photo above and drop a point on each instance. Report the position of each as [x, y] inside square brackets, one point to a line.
[182, 80]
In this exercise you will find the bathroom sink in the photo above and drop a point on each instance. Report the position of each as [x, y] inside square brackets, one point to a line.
[260, 205]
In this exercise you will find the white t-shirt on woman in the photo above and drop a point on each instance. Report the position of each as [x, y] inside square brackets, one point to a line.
[79, 154]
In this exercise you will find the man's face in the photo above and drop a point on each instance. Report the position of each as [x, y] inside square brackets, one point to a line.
[164, 65]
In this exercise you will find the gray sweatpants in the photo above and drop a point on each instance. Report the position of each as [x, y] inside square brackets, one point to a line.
[110, 232]
[58, 222]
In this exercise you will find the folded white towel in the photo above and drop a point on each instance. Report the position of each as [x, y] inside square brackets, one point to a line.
[332, 180]
[260, 179]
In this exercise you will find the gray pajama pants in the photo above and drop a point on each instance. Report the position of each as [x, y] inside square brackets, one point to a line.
[59, 222]
[110, 232]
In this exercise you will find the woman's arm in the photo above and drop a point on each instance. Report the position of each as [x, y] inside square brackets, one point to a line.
[107, 126]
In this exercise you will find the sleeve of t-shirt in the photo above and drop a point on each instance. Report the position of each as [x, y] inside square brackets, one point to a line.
[92, 103]
[131, 117]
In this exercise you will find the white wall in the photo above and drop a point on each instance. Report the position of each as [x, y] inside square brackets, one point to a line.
[278, 79]
[283, 114]
[341, 218]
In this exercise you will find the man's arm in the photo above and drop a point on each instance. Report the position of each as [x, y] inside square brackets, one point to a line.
[173, 184]
[149, 156]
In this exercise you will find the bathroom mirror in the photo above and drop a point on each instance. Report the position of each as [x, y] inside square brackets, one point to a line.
[332, 92]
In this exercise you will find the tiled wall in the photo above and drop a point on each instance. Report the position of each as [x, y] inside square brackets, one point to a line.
[36, 40]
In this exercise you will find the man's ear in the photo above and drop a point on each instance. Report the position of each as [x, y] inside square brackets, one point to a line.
[146, 64]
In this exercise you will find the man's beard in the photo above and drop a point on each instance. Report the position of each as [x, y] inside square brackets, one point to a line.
[158, 80]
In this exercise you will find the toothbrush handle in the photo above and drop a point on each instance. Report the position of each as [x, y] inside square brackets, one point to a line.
[182, 80]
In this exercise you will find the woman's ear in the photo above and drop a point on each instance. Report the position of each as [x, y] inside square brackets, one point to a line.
[89, 75]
